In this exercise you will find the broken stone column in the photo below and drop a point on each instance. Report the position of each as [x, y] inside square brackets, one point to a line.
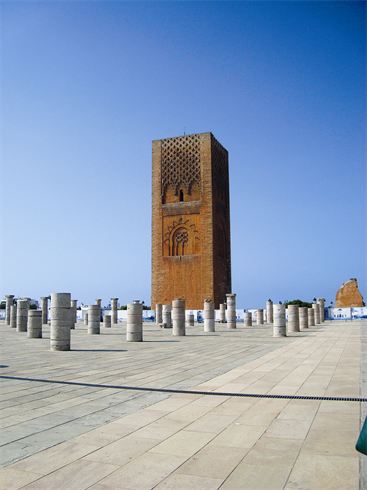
[222, 313]
[60, 321]
[293, 318]
[9, 302]
[303, 317]
[178, 317]
[321, 303]
[114, 319]
[247, 319]
[44, 308]
[98, 303]
[231, 310]
[279, 328]
[316, 309]
[22, 315]
[260, 317]
[311, 317]
[85, 318]
[190, 320]
[73, 306]
[209, 319]
[13, 316]
[34, 330]
[158, 314]
[134, 328]
[107, 321]
[166, 309]
[269, 311]
[94, 319]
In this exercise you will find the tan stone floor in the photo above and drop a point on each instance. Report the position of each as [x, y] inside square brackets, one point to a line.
[57, 436]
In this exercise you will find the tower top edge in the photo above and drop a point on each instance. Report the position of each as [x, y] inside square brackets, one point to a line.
[184, 136]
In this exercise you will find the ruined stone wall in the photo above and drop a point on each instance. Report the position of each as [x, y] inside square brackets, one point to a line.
[348, 296]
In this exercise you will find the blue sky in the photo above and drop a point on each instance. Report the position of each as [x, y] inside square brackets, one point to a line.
[87, 86]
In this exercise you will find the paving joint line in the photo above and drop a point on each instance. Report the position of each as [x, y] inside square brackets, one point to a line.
[191, 392]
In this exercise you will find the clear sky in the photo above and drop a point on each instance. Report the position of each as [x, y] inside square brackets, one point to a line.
[87, 86]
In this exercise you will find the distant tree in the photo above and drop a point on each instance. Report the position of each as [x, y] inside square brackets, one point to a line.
[2, 306]
[33, 307]
[124, 307]
[299, 303]
[146, 307]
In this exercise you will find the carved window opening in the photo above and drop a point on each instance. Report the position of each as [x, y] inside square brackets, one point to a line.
[180, 242]
[181, 195]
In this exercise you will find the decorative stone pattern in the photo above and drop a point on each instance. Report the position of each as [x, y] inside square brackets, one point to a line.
[190, 221]
[181, 162]
[348, 296]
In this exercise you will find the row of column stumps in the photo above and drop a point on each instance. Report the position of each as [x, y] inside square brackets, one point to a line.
[63, 317]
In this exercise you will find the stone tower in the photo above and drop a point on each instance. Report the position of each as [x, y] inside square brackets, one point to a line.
[191, 252]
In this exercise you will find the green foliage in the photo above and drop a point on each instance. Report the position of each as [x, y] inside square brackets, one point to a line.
[32, 307]
[123, 307]
[2, 306]
[299, 303]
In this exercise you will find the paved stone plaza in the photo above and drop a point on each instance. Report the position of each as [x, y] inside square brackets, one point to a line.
[65, 427]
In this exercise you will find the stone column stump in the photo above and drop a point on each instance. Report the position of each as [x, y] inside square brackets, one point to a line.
[158, 314]
[22, 315]
[73, 307]
[13, 316]
[321, 303]
[260, 317]
[60, 321]
[85, 318]
[178, 317]
[114, 319]
[269, 311]
[134, 328]
[222, 313]
[166, 309]
[311, 317]
[9, 303]
[279, 328]
[303, 317]
[231, 310]
[247, 319]
[34, 324]
[94, 319]
[316, 308]
[190, 320]
[107, 321]
[209, 318]
[44, 308]
[293, 318]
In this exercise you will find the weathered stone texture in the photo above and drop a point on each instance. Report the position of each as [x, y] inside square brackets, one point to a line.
[190, 221]
[349, 296]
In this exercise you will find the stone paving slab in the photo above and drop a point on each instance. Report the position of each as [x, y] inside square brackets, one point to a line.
[100, 437]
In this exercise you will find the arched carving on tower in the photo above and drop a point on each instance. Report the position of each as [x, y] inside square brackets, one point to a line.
[181, 238]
